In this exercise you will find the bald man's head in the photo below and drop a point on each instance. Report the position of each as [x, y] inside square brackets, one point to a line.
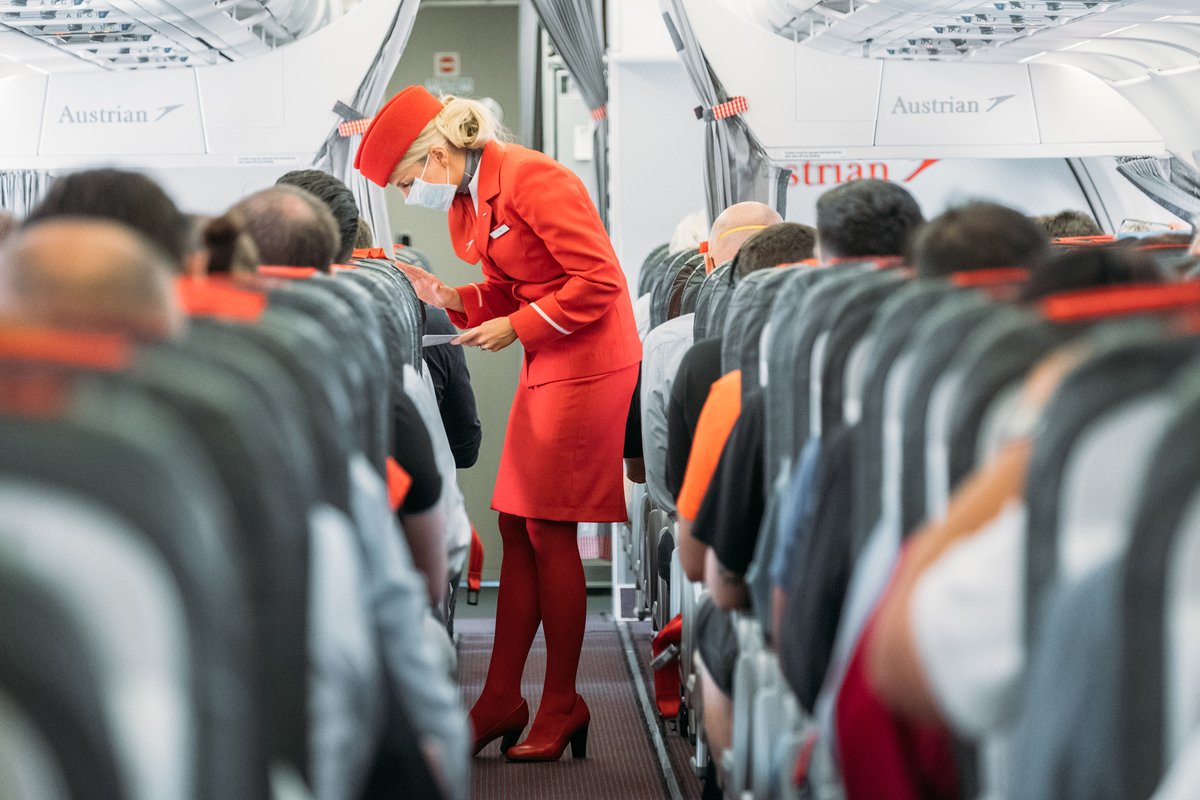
[88, 274]
[291, 228]
[733, 227]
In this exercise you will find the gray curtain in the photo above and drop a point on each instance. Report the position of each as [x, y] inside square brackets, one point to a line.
[737, 168]
[336, 156]
[1170, 182]
[576, 27]
[21, 190]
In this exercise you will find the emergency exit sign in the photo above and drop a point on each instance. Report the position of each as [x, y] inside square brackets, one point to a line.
[446, 65]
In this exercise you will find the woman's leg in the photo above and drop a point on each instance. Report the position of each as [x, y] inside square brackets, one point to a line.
[563, 595]
[517, 618]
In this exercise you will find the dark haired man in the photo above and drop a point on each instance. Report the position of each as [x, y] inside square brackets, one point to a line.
[336, 196]
[127, 197]
[976, 236]
[865, 218]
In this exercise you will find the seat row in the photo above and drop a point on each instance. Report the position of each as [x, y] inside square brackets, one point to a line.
[889, 402]
[206, 590]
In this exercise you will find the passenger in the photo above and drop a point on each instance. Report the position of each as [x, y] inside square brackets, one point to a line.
[291, 228]
[691, 465]
[447, 364]
[552, 280]
[1068, 225]
[978, 236]
[127, 197]
[864, 219]
[779, 244]
[945, 645]
[688, 233]
[1090, 268]
[337, 197]
[733, 227]
[223, 247]
[8, 224]
[91, 275]
[364, 237]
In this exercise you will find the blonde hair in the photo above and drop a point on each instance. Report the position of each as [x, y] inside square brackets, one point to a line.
[463, 124]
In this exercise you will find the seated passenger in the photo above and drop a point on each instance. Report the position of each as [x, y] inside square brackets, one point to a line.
[91, 275]
[8, 224]
[978, 236]
[291, 228]
[364, 238]
[666, 345]
[223, 247]
[337, 197]
[127, 197]
[1068, 225]
[866, 219]
[447, 364]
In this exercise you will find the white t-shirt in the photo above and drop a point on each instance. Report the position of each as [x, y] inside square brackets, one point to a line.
[968, 624]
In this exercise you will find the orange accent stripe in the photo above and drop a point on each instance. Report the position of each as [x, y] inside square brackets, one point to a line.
[989, 277]
[369, 252]
[398, 484]
[101, 351]
[1135, 299]
[211, 297]
[291, 273]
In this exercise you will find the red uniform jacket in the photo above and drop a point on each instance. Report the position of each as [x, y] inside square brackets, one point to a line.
[547, 264]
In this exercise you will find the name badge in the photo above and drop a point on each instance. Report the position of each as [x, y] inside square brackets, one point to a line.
[496, 234]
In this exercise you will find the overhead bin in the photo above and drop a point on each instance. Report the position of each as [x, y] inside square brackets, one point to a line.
[847, 79]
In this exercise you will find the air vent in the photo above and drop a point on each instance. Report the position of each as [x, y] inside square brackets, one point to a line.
[903, 29]
[151, 34]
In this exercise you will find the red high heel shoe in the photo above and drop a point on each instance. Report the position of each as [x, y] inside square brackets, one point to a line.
[550, 746]
[507, 729]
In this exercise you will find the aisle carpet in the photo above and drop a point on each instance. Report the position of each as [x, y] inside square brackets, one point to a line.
[621, 762]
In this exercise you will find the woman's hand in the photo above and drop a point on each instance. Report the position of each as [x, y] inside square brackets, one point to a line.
[495, 334]
[430, 288]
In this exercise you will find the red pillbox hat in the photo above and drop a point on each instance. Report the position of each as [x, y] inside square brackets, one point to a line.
[392, 132]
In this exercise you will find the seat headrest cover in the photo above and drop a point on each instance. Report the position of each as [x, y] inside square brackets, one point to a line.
[99, 351]
[392, 132]
[1128, 299]
[217, 297]
[989, 277]
[369, 252]
[290, 273]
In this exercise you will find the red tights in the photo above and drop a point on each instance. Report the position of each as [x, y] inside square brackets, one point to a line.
[541, 580]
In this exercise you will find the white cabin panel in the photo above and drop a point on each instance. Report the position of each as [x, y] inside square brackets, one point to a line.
[122, 113]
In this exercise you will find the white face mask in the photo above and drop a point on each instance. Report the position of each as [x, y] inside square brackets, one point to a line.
[437, 196]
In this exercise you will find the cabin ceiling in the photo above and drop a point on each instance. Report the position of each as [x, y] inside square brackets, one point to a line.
[75, 35]
[1151, 34]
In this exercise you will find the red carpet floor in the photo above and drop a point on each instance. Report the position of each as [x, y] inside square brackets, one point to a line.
[621, 764]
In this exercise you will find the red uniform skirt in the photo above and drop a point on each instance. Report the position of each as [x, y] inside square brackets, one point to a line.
[563, 448]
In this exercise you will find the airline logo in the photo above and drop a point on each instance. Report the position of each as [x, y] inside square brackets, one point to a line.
[116, 115]
[948, 105]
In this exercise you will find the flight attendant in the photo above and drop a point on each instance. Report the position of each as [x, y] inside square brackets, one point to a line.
[550, 278]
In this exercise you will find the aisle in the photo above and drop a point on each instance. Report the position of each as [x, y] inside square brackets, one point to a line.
[621, 762]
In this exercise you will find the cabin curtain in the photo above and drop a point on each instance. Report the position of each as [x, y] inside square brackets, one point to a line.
[737, 167]
[336, 156]
[576, 27]
[21, 190]
[1170, 182]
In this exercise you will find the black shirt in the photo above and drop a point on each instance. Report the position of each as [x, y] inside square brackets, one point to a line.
[452, 385]
[413, 450]
[821, 577]
[633, 422]
[698, 371]
[733, 506]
